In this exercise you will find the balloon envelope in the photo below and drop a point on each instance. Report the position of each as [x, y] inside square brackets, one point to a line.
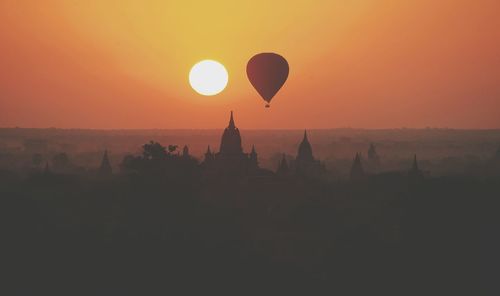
[267, 72]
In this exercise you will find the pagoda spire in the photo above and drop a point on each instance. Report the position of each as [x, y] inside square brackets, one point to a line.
[209, 156]
[305, 150]
[415, 164]
[357, 172]
[415, 173]
[231, 121]
[283, 166]
[253, 158]
[371, 150]
[231, 139]
[105, 167]
[185, 151]
[47, 169]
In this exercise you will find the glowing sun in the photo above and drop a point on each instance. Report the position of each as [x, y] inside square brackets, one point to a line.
[208, 77]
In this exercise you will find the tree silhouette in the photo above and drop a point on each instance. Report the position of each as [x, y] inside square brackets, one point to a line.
[153, 151]
[172, 148]
[161, 162]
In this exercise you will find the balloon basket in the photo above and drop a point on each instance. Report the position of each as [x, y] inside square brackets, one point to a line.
[267, 105]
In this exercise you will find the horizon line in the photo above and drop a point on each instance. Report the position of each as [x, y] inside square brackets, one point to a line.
[250, 129]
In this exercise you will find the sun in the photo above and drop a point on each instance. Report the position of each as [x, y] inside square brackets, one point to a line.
[208, 77]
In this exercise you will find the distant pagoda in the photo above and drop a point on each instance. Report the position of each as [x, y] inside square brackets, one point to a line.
[283, 169]
[415, 173]
[231, 160]
[231, 140]
[105, 168]
[357, 171]
[305, 164]
[185, 151]
[305, 153]
[373, 161]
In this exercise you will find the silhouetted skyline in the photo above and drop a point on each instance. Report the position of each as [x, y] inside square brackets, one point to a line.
[160, 216]
[374, 170]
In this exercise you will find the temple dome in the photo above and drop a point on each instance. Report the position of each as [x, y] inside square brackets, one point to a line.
[305, 150]
[231, 139]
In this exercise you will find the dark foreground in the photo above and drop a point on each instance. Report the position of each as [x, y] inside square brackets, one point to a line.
[142, 235]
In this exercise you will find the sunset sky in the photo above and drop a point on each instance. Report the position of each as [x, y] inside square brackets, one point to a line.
[360, 63]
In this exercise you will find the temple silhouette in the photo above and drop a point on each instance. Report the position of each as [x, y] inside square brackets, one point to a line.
[231, 160]
[105, 168]
[305, 164]
[357, 171]
[373, 161]
[415, 173]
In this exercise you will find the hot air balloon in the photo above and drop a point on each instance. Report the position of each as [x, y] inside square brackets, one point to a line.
[267, 73]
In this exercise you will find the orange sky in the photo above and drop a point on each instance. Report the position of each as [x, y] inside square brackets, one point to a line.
[360, 63]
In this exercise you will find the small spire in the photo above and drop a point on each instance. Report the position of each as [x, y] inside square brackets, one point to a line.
[253, 155]
[209, 156]
[185, 151]
[415, 164]
[46, 170]
[415, 173]
[105, 157]
[305, 149]
[231, 121]
[282, 166]
[372, 152]
[357, 172]
[105, 167]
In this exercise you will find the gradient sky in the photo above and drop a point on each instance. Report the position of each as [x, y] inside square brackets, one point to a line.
[359, 63]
